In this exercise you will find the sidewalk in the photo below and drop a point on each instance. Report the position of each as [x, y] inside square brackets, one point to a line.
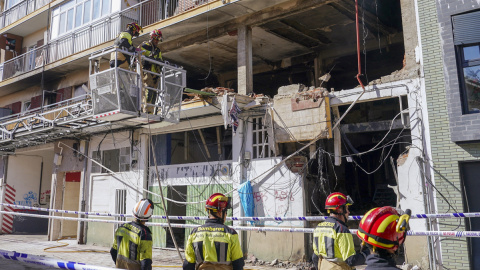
[69, 250]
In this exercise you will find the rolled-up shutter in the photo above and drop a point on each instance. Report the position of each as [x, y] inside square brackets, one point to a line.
[466, 28]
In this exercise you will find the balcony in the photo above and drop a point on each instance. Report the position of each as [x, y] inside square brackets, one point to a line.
[99, 32]
[20, 10]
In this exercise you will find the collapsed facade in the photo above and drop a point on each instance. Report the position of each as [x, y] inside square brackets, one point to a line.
[289, 65]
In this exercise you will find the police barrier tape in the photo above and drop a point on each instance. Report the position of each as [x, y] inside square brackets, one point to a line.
[311, 218]
[51, 262]
[256, 229]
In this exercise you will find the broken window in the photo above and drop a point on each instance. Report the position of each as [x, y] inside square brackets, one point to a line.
[111, 160]
[116, 160]
[260, 145]
[201, 145]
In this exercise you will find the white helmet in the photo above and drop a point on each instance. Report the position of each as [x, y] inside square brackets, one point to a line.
[143, 210]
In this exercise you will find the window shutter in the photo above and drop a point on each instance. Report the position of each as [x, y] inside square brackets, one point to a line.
[15, 107]
[36, 102]
[466, 28]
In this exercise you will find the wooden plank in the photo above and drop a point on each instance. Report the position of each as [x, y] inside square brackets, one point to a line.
[219, 146]
[204, 143]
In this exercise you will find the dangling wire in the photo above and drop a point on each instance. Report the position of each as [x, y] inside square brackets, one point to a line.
[364, 36]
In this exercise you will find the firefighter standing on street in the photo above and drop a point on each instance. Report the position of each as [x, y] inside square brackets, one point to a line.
[214, 246]
[383, 230]
[124, 42]
[151, 50]
[333, 245]
[132, 246]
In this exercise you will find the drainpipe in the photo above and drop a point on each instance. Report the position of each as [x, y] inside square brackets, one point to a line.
[82, 228]
[3, 187]
[40, 186]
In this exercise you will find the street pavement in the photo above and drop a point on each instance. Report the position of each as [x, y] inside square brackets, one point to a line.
[70, 251]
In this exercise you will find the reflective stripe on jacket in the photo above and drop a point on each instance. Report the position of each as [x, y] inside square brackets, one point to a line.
[333, 241]
[133, 245]
[213, 244]
[151, 52]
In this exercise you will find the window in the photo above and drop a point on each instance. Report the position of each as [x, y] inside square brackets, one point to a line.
[466, 39]
[470, 77]
[26, 106]
[260, 139]
[201, 145]
[11, 3]
[116, 160]
[74, 14]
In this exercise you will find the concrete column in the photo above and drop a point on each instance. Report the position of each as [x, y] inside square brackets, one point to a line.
[244, 60]
[410, 36]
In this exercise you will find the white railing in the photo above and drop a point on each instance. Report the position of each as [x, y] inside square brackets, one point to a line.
[101, 31]
[20, 10]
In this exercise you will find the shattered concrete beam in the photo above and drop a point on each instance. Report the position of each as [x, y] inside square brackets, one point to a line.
[373, 92]
[255, 19]
[347, 8]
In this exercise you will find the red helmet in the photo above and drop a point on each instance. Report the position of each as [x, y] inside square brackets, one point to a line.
[135, 28]
[218, 202]
[156, 34]
[336, 200]
[384, 228]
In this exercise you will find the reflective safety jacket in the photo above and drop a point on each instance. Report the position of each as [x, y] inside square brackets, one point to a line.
[132, 247]
[151, 52]
[332, 241]
[124, 42]
[213, 246]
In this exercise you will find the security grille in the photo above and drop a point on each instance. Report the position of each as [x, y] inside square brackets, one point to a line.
[120, 204]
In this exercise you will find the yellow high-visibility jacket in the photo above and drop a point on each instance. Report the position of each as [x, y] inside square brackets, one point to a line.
[132, 247]
[124, 42]
[214, 245]
[151, 52]
[333, 241]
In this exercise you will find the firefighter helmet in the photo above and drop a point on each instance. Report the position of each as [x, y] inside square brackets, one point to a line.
[156, 34]
[336, 200]
[143, 210]
[218, 202]
[384, 228]
[135, 28]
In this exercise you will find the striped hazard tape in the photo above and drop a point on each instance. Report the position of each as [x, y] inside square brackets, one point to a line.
[307, 218]
[51, 262]
[260, 229]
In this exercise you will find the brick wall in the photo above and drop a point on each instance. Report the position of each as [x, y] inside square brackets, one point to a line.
[445, 118]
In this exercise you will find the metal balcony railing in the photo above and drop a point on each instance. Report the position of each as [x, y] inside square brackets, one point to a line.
[101, 31]
[20, 10]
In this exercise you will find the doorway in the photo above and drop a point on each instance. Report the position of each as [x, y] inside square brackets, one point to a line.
[71, 196]
[176, 193]
[469, 172]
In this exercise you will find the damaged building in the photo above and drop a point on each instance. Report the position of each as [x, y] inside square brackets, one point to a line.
[325, 98]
